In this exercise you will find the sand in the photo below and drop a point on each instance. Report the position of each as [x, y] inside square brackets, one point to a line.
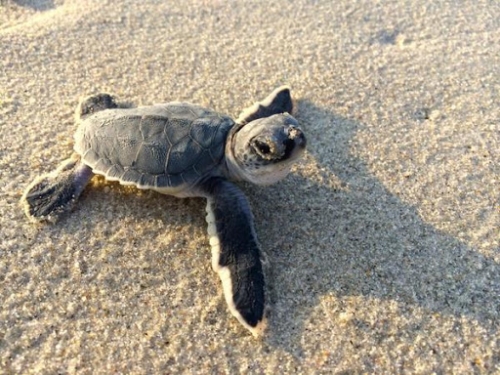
[383, 243]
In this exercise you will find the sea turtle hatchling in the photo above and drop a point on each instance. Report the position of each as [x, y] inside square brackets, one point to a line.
[185, 150]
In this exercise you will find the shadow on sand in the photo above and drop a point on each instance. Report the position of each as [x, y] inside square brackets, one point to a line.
[342, 234]
[352, 237]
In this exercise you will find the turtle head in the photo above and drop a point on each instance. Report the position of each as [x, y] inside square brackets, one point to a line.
[263, 150]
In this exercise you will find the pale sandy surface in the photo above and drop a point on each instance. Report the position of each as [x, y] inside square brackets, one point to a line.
[384, 242]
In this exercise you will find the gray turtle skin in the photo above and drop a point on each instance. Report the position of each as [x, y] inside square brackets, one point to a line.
[184, 150]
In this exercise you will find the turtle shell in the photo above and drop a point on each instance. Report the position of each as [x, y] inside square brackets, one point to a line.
[167, 147]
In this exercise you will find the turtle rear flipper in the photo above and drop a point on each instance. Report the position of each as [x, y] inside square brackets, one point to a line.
[236, 255]
[279, 101]
[51, 195]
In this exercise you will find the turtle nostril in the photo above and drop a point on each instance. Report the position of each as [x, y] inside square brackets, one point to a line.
[296, 135]
[294, 132]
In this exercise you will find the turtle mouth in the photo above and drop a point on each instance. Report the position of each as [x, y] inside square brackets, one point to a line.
[289, 148]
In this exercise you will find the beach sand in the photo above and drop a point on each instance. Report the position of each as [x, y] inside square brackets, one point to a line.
[383, 243]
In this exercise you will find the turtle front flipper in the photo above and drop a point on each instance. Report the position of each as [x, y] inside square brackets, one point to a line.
[51, 195]
[236, 254]
[279, 101]
[94, 103]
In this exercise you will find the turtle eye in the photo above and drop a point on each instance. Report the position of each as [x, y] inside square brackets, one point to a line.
[262, 148]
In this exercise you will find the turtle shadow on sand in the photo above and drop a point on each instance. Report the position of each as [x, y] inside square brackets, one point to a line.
[346, 235]
[343, 234]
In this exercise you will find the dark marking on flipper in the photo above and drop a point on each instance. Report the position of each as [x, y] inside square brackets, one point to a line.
[236, 254]
[51, 195]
